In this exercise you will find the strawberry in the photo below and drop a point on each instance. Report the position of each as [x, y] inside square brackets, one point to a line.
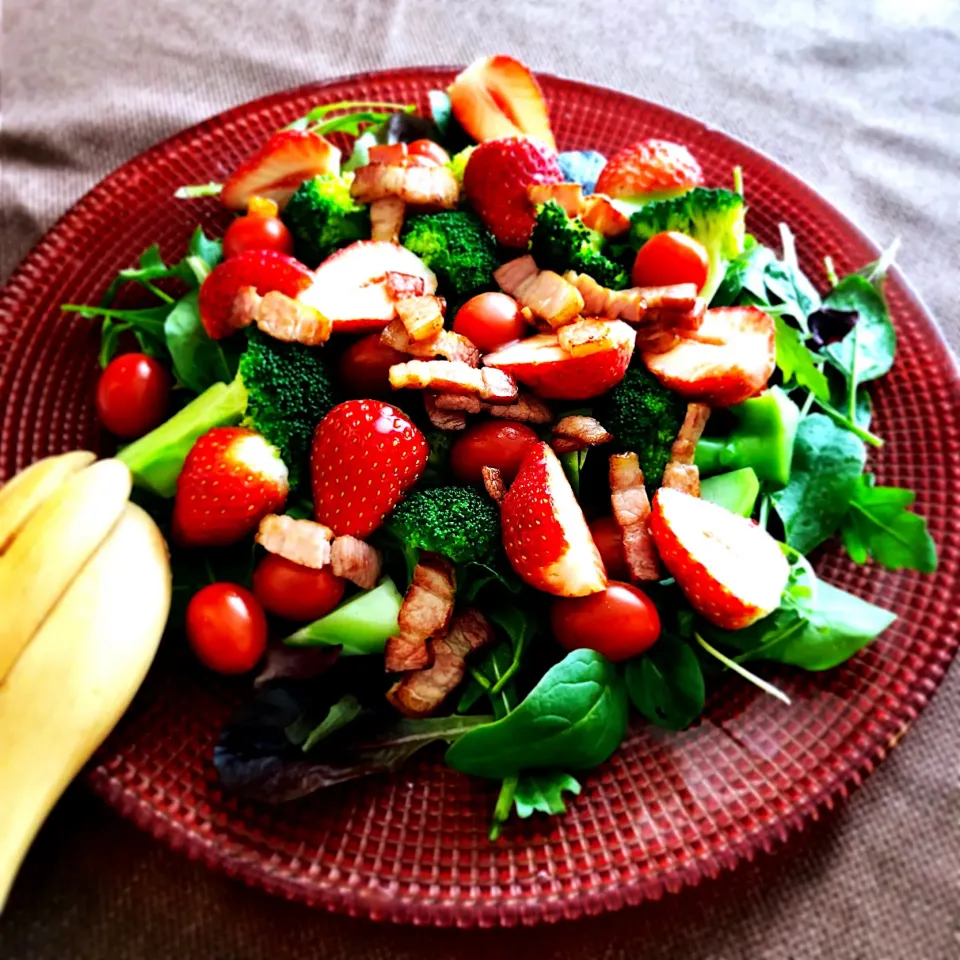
[276, 170]
[265, 270]
[545, 535]
[728, 359]
[496, 180]
[231, 479]
[732, 571]
[498, 97]
[366, 455]
[656, 167]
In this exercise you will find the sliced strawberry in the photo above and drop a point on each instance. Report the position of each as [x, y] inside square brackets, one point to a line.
[366, 455]
[552, 373]
[545, 535]
[264, 270]
[728, 359]
[279, 167]
[355, 286]
[732, 571]
[496, 181]
[650, 169]
[231, 479]
[498, 97]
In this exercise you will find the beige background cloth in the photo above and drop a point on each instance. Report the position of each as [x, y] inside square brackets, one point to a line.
[860, 99]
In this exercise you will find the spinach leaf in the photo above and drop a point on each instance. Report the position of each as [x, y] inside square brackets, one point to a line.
[198, 360]
[827, 459]
[572, 463]
[575, 717]
[880, 526]
[796, 362]
[867, 351]
[473, 577]
[666, 683]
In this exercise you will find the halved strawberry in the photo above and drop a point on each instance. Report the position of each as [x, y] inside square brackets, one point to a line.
[264, 270]
[231, 479]
[652, 169]
[732, 571]
[279, 167]
[366, 454]
[545, 535]
[544, 366]
[496, 180]
[352, 287]
[498, 97]
[727, 360]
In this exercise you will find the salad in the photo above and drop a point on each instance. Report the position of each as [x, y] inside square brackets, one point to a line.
[461, 439]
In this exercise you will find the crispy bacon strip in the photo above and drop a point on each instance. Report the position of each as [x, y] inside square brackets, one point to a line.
[244, 309]
[584, 337]
[421, 693]
[422, 317]
[577, 433]
[681, 472]
[568, 195]
[446, 344]
[493, 484]
[631, 510]
[403, 285]
[679, 302]
[356, 561]
[425, 612]
[280, 316]
[599, 213]
[386, 219]
[526, 409]
[432, 187]
[454, 376]
[440, 418]
[547, 294]
[299, 541]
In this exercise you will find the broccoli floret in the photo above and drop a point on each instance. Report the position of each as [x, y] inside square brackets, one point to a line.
[459, 523]
[323, 217]
[644, 417]
[456, 246]
[560, 243]
[283, 390]
[713, 217]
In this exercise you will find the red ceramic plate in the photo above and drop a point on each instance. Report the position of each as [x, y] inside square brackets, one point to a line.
[668, 809]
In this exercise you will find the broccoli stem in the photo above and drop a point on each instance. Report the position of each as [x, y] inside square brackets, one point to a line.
[155, 460]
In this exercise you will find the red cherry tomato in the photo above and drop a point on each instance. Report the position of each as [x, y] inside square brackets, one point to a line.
[491, 443]
[253, 232]
[669, 258]
[364, 368]
[490, 320]
[227, 628]
[430, 150]
[294, 591]
[609, 540]
[619, 622]
[133, 395]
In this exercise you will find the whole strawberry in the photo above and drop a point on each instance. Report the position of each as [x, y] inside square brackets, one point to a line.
[231, 479]
[651, 167]
[496, 180]
[366, 455]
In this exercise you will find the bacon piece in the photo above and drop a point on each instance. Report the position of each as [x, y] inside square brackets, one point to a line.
[679, 302]
[446, 344]
[526, 409]
[244, 309]
[421, 693]
[493, 484]
[599, 213]
[425, 612]
[422, 317]
[568, 195]
[547, 294]
[631, 510]
[442, 419]
[403, 285]
[584, 337]
[577, 433]
[681, 472]
[299, 541]
[356, 561]
[284, 318]
[432, 187]
[386, 219]
[454, 376]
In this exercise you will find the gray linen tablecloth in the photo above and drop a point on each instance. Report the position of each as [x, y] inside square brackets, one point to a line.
[860, 99]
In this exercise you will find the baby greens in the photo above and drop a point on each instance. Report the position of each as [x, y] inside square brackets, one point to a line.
[666, 683]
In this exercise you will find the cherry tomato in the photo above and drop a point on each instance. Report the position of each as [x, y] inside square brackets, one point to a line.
[364, 368]
[133, 395]
[430, 150]
[490, 320]
[669, 258]
[491, 443]
[609, 540]
[227, 628]
[253, 232]
[294, 591]
[619, 622]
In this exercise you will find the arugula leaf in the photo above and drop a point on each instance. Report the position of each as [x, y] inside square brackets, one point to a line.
[827, 459]
[344, 711]
[880, 526]
[867, 351]
[474, 577]
[796, 361]
[198, 360]
[666, 683]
